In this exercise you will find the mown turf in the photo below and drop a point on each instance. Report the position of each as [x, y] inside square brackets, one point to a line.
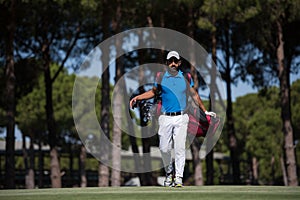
[156, 193]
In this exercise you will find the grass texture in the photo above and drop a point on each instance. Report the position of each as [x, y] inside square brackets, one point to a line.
[156, 193]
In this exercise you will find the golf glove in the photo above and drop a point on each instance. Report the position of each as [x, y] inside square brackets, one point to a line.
[211, 113]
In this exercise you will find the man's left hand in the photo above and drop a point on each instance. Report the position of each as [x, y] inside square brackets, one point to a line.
[211, 113]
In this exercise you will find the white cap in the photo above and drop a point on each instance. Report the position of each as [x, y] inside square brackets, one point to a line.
[173, 54]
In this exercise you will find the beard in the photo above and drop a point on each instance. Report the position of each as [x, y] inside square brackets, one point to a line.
[173, 70]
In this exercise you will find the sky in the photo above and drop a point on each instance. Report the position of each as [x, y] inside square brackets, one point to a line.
[243, 88]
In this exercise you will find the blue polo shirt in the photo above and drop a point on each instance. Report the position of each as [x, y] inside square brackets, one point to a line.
[173, 92]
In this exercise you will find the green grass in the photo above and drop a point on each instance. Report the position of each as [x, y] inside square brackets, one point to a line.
[156, 193]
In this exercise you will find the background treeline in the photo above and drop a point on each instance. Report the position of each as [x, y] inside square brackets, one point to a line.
[44, 42]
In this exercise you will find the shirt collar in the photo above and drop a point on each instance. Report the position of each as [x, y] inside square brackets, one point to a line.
[177, 75]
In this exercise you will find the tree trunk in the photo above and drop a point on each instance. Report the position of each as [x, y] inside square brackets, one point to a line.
[233, 146]
[147, 175]
[147, 168]
[135, 150]
[249, 179]
[148, 180]
[71, 162]
[55, 169]
[30, 183]
[10, 100]
[51, 124]
[213, 89]
[117, 134]
[25, 158]
[284, 175]
[255, 170]
[41, 164]
[195, 148]
[82, 159]
[103, 170]
[192, 58]
[272, 163]
[117, 108]
[289, 147]
[234, 155]
[209, 159]
[132, 138]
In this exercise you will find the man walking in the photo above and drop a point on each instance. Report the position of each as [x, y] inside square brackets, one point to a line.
[174, 120]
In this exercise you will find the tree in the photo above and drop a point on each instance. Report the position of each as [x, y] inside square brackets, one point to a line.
[27, 72]
[267, 151]
[117, 104]
[31, 114]
[192, 8]
[278, 45]
[47, 37]
[258, 122]
[10, 95]
[31, 121]
[295, 107]
[105, 99]
[222, 19]
[283, 75]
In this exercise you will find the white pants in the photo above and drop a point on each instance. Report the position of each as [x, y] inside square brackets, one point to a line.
[172, 133]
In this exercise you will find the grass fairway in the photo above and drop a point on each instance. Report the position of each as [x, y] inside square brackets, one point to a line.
[156, 193]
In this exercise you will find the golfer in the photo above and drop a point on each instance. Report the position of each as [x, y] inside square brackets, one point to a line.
[174, 120]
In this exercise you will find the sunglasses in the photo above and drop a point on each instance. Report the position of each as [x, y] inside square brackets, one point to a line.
[171, 60]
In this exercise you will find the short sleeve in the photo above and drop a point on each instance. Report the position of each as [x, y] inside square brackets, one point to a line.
[155, 83]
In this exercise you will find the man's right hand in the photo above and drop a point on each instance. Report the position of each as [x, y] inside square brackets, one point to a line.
[133, 103]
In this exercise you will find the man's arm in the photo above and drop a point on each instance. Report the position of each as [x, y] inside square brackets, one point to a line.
[199, 102]
[146, 95]
[197, 99]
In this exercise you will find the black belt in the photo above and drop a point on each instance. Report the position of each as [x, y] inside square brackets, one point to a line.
[173, 113]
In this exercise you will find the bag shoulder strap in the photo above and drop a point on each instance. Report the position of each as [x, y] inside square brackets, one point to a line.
[188, 77]
[159, 76]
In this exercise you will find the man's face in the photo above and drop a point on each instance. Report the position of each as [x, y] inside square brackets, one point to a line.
[173, 64]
